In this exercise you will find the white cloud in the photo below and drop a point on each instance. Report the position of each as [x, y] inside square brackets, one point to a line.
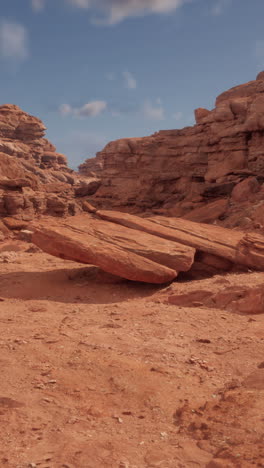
[13, 41]
[65, 109]
[90, 109]
[177, 115]
[80, 3]
[110, 76]
[130, 81]
[219, 7]
[115, 11]
[154, 112]
[38, 5]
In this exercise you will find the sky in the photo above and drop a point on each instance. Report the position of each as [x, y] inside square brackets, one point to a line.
[97, 70]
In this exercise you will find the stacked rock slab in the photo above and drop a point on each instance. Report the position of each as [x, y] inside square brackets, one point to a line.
[150, 250]
[219, 160]
[34, 178]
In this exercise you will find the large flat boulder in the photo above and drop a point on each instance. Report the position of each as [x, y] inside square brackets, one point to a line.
[88, 241]
[172, 254]
[235, 246]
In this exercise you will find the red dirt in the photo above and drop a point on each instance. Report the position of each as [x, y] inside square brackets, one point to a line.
[98, 372]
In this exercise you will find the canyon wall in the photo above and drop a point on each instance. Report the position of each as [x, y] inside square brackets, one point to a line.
[211, 171]
[34, 178]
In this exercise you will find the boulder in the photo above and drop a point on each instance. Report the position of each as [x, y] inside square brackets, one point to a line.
[237, 247]
[87, 187]
[14, 224]
[209, 212]
[245, 189]
[200, 114]
[165, 252]
[74, 243]
[242, 294]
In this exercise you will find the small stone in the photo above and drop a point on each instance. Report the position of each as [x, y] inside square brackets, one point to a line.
[218, 463]
[124, 464]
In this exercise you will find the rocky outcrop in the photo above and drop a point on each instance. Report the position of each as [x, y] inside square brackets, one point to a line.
[177, 172]
[241, 294]
[34, 178]
[150, 250]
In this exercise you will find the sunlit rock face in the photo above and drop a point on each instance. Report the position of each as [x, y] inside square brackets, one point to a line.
[34, 178]
[177, 172]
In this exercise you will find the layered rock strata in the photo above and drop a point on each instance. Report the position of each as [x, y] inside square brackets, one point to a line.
[34, 178]
[211, 171]
[150, 250]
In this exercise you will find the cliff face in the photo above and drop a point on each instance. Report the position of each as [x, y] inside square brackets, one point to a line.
[213, 170]
[34, 178]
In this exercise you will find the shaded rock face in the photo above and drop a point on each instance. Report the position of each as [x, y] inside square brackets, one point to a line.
[178, 171]
[34, 178]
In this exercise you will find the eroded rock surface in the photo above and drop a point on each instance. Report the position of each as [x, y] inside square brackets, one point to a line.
[34, 178]
[116, 250]
[150, 250]
[177, 172]
[234, 246]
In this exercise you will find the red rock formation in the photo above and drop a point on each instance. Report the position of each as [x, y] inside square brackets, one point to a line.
[152, 250]
[242, 294]
[177, 171]
[130, 254]
[34, 178]
[236, 247]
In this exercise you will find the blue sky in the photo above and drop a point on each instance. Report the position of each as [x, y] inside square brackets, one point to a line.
[98, 70]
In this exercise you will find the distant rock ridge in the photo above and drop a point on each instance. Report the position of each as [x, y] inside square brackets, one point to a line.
[211, 172]
[34, 178]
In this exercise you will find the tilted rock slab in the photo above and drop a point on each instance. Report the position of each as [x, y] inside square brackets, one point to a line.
[165, 252]
[237, 247]
[120, 251]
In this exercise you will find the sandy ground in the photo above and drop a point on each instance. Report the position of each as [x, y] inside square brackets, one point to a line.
[98, 372]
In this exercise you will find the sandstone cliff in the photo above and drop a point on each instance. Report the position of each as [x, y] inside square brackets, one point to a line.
[211, 171]
[34, 178]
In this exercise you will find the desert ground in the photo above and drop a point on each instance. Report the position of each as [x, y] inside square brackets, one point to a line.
[103, 372]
